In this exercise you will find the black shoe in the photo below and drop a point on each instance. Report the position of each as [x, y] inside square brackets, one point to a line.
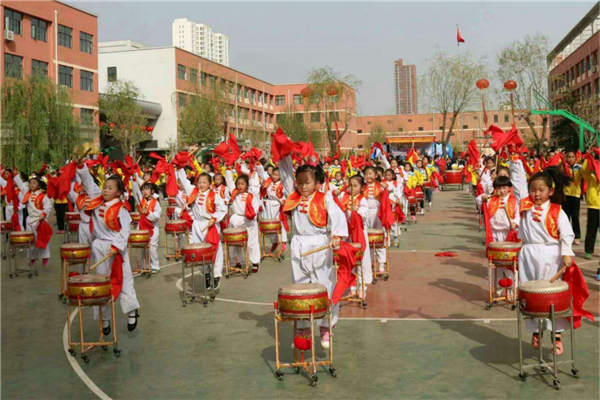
[131, 327]
[217, 283]
[207, 277]
[254, 268]
[106, 330]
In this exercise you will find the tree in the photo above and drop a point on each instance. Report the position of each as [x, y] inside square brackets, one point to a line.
[205, 116]
[524, 61]
[377, 135]
[38, 124]
[449, 84]
[124, 117]
[332, 96]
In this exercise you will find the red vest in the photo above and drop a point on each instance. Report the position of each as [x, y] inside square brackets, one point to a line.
[347, 199]
[38, 201]
[551, 222]
[210, 199]
[317, 212]
[377, 190]
[111, 214]
[511, 206]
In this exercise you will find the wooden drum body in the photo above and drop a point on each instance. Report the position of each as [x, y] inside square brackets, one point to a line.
[6, 226]
[412, 200]
[453, 177]
[74, 226]
[92, 290]
[419, 194]
[376, 237]
[235, 236]
[22, 239]
[269, 226]
[197, 253]
[75, 253]
[176, 226]
[72, 216]
[139, 238]
[504, 253]
[294, 301]
[135, 217]
[536, 297]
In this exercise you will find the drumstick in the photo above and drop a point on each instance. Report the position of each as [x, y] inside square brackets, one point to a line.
[106, 257]
[559, 273]
[318, 249]
[83, 156]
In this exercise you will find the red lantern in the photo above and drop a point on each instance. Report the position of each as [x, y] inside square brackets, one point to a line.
[150, 129]
[101, 124]
[505, 282]
[306, 92]
[483, 84]
[332, 91]
[303, 343]
[112, 125]
[510, 85]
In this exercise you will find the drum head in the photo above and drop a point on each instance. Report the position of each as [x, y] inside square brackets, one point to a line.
[233, 231]
[176, 221]
[505, 245]
[196, 246]
[138, 232]
[90, 278]
[302, 288]
[375, 231]
[540, 286]
[75, 246]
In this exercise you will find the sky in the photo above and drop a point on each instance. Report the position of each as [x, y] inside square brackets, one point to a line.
[281, 42]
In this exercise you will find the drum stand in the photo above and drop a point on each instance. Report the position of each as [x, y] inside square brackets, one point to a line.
[176, 245]
[310, 366]
[209, 294]
[263, 252]
[493, 286]
[64, 275]
[229, 270]
[68, 232]
[144, 267]
[12, 261]
[375, 262]
[5, 235]
[356, 298]
[543, 365]
[84, 346]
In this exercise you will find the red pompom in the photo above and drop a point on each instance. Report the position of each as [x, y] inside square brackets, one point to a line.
[303, 343]
[506, 282]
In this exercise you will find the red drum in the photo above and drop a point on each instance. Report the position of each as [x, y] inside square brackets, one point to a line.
[198, 253]
[139, 238]
[6, 226]
[135, 217]
[428, 184]
[419, 194]
[235, 236]
[294, 301]
[74, 226]
[92, 290]
[171, 211]
[172, 201]
[536, 297]
[176, 226]
[453, 178]
[412, 200]
[72, 216]
[504, 253]
[376, 237]
[269, 226]
[22, 239]
[359, 254]
[75, 252]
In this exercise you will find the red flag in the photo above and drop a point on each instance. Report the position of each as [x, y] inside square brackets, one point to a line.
[281, 145]
[250, 213]
[213, 238]
[356, 230]
[473, 151]
[284, 219]
[172, 188]
[188, 219]
[345, 277]
[459, 38]
[488, 226]
[385, 211]
[502, 139]
[593, 164]
[62, 184]
[580, 293]
[235, 150]
[400, 216]
[222, 150]
[116, 275]
[44, 234]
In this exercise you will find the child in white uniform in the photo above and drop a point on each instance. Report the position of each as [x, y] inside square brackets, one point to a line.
[150, 211]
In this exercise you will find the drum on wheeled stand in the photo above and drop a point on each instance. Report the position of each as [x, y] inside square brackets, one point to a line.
[140, 239]
[178, 230]
[6, 228]
[297, 302]
[268, 227]
[72, 220]
[73, 254]
[360, 296]
[503, 256]
[236, 237]
[21, 240]
[378, 240]
[198, 255]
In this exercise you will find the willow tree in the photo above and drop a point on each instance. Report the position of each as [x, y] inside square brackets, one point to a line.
[204, 116]
[124, 116]
[332, 96]
[448, 84]
[38, 123]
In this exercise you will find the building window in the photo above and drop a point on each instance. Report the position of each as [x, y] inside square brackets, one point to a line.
[193, 75]
[420, 128]
[39, 68]
[87, 117]
[474, 118]
[315, 117]
[203, 79]
[65, 75]
[368, 122]
[65, 36]
[359, 131]
[441, 128]
[13, 66]
[297, 99]
[389, 121]
[13, 21]
[400, 129]
[279, 100]
[213, 81]
[465, 126]
[430, 119]
[112, 74]
[182, 100]
[334, 115]
[496, 118]
[231, 87]
[39, 29]
[410, 120]
[181, 72]
[505, 117]
[86, 42]
[360, 146]
[87, 81]
[334, 99]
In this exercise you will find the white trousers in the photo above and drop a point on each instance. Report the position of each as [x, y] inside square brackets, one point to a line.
[316, 268]
[127, 298]
[36, 252]
[198, 235]
[235, 252]
[541, 262]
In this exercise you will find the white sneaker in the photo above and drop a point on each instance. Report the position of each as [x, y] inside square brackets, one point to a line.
[422, 211]
[382, 268]
[430, 205]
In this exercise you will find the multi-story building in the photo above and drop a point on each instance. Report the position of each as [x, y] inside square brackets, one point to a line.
[573, 63]
[167, 76]
[56, 40]
[200, 39]
[405, 83]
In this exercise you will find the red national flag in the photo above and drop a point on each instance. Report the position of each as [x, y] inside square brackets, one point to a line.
[345, 277]
[281, 146]
[580, 293]
[386, 215]
[213, 238]
[62, 184]
[459, 38]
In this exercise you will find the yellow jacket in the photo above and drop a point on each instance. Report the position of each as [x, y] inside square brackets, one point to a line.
[592, 197]
[574, 189]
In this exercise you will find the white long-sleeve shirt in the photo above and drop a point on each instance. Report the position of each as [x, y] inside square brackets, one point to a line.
[198, 207]
[518, 177]
[534, 232]
[34, 213]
